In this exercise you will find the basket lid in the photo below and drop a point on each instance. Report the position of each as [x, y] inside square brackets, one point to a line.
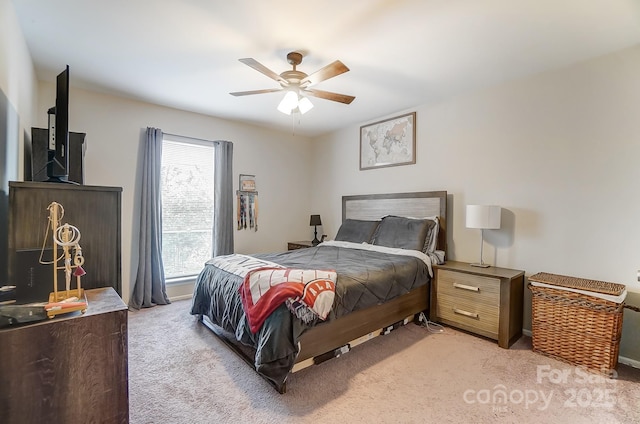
[579, 283]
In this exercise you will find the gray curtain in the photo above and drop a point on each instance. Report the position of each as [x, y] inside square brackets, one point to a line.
[223, 199]
[150, 289]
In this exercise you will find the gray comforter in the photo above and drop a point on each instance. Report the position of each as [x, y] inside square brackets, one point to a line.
[365, 278]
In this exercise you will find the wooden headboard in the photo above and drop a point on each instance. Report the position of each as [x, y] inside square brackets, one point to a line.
[417, 205]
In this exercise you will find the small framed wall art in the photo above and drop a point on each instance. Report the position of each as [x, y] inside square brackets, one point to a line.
[247, 182]
[391, 142]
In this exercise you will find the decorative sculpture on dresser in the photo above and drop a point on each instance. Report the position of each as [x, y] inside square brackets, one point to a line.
[67, 237]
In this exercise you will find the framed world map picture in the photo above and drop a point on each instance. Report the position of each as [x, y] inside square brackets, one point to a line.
[391, 142]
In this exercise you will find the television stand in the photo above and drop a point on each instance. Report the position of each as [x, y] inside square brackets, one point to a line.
[60, 180]
[36, 168]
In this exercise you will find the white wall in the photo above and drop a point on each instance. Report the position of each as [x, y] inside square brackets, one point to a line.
[114, 128]
[17, 102]
[559, 152]
[17, 76]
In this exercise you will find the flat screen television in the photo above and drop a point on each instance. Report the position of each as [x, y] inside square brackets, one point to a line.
[58, 157]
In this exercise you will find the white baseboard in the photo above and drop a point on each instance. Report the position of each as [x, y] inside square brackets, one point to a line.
[181, 297]
[621, 359]
[628, 361]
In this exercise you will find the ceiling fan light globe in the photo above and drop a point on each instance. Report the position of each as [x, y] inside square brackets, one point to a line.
[288, 103]
[284, 109]
[304, 105]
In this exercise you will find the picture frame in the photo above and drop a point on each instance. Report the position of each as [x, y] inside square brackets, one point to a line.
[247, 182]
[390, 142]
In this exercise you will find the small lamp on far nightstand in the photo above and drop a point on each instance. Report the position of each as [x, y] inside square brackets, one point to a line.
[485, 218]
[315, 221]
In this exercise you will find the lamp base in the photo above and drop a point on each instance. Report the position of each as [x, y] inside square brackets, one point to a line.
[315, 240]
[480, 265]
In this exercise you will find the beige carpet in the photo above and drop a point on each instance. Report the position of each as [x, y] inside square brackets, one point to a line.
[179, 372]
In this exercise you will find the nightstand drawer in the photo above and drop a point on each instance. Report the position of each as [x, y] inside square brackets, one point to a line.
[472, 316]
[468, 287]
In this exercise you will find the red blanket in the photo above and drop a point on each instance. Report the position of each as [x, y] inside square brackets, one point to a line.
[266, 288]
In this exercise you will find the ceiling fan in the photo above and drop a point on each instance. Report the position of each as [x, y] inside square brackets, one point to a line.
[297, 84]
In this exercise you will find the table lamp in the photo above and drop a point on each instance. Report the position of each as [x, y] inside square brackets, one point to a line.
[485, 218]
[315, 221]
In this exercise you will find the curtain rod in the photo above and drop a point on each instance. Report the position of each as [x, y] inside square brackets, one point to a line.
[190, 138]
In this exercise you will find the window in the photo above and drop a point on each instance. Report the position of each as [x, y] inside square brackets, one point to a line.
[187, 205]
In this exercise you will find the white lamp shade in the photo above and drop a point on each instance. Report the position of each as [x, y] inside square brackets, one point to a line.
[484, 217]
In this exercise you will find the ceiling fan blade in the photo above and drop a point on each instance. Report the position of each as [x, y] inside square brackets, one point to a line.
[329, 71]
[262, 69]
[247, 93]
[342, 98]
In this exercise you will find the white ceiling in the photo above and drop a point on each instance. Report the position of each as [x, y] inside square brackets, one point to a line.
[184, 53]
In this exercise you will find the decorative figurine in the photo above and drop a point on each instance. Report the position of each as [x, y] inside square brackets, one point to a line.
[67, 237]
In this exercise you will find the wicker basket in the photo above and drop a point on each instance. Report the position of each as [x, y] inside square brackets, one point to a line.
[577, 328]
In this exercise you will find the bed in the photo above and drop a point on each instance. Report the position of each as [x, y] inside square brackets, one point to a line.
[379, 285]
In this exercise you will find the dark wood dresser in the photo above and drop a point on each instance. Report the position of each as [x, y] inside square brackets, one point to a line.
[94, 210]
[69, 369]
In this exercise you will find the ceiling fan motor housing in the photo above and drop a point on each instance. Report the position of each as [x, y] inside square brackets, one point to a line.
[294, 58]
[293, 78]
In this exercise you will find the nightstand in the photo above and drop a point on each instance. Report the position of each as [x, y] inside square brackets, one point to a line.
[484, 301]
[293, 245]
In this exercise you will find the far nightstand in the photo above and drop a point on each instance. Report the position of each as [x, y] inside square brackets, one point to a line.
[293, 245]
[484, 301]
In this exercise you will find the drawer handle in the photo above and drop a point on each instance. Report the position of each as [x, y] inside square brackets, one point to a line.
[465, 313]
[465, 287]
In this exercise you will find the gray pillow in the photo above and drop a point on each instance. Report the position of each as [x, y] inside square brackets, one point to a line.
[357, 231]
[431, 242]
[403, 233]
